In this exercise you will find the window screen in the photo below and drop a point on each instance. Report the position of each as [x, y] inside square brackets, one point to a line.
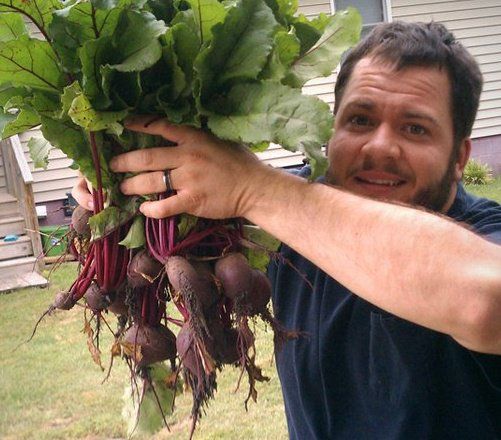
[372, 11]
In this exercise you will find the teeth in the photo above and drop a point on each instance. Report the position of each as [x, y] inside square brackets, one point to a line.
[383, 182]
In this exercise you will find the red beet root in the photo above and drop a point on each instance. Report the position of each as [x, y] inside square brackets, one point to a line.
[63, 301]
[157, 344]
[80, 221]
[142, 270]
[235, 275]
[96, 299]
[118, 306]
[191, 282]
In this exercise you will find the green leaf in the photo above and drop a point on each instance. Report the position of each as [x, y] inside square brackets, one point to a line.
[259, 247]
[340, 34]
[186, 45]
[73, 141]
[136, 41]
[80, 22]
[143, 416]
[111, 218]
[82, 114]
[283, 10]
[39, 11]
[31, 63]
[106, 221]
[321, 21]
[45, 104]
[239, 49]
[307, 34]
[7, 91]
[285, 50]
[95, 54]
[69, 94]
[39, 152]
[272, 112]
[5, 119]
[135, 238]
[123, 89]
[11, 26]
[14, 103]
[185, 225]
[23, 121]
[162, 9]
[177, 80]
[260, 147]
[207, 13]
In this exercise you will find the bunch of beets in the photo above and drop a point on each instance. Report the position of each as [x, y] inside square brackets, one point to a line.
[234, 69]
[203, 272]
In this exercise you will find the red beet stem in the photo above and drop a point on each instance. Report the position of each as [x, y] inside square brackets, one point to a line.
[106, 264]
[97, 167]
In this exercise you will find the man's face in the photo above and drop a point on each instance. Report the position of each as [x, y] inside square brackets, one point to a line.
[393, 136]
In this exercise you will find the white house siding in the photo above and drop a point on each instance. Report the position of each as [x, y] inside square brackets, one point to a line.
[477, 24]
[54, 182]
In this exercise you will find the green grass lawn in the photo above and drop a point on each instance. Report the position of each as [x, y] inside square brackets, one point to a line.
[490, 191]
[51, 389]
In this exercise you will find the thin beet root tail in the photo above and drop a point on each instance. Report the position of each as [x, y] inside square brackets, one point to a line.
[280, 334]
[62, 301]
[247, 361]
[254, 374]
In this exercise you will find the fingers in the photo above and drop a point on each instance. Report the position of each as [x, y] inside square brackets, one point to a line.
[145, 183]
[156, 125]
[147, 159]
[82, 195]
[176, 204]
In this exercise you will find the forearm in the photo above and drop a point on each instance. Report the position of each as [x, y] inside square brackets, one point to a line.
[416, 265]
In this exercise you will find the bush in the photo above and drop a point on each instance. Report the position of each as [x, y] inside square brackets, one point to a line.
[477, 173]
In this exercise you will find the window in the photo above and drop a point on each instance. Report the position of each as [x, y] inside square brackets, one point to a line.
[372, 11]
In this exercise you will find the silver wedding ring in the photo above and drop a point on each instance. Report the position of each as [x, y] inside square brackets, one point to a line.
[167, 181]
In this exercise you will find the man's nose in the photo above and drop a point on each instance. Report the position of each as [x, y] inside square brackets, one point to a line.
[383, 143]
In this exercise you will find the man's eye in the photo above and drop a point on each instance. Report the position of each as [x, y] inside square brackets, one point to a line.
[360, 120]
[416, 129]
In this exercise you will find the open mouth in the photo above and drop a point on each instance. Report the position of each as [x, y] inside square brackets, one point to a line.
[382, 182]
[378, 183]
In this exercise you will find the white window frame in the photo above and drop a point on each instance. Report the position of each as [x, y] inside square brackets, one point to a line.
[386, 5]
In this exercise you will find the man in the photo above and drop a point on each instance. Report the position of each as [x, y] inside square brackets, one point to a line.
[404, 321]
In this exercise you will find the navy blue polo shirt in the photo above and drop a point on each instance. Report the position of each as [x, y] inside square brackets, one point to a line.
[362, 373]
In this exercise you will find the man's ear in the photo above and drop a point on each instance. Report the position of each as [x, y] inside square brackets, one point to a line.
[462, 158]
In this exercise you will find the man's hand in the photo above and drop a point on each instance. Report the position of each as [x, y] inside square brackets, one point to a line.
[212, 179]
[82, 194]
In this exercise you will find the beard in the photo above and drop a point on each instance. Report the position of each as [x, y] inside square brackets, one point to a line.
[433, 198]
